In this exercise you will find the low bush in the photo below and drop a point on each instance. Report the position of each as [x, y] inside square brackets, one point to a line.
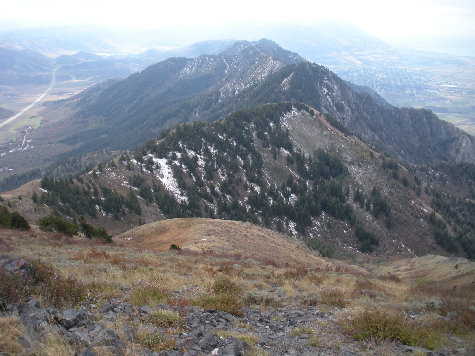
[55, 223]
[43, 282]
[149, 295]
[227, 296]
[12, 220]
[393, 326]
[297, 332]
[154, 341]
[166, 319]
[333, 297]
[174, 247]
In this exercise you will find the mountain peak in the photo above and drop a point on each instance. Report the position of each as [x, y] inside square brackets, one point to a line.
[264, 46]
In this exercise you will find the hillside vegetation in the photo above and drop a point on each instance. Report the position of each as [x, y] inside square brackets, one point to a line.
[282, 166]
[145, 300]
[123, 114]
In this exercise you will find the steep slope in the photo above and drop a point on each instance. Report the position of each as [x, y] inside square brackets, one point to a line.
[282, 166]
[5, 113]
[143, 104]
[24, 67]
[249, 74]
[417, 136]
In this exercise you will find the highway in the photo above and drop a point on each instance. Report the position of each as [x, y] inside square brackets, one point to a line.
[41, 97]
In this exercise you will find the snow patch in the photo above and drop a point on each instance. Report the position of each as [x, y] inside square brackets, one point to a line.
[165, 175]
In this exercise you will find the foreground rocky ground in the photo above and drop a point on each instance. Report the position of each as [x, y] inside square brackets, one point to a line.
[73, 297]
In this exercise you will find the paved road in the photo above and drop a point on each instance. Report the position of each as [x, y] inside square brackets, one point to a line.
[16, 116]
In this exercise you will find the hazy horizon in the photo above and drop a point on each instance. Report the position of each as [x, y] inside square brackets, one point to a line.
[442, 25]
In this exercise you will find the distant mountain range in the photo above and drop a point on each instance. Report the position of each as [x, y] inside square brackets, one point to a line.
[245, 75]
[403, 76]
[315, 163]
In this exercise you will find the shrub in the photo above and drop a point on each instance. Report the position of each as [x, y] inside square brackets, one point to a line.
[44, 282]
[174, 247]
[333, 297]
[149, 295]
[367, 239]
[154, 341]
[390, 326]
[12, 220]
[227, 297]
[314, 341]
[301, 331]
[90, 231]
[55, 223]
[166, 318]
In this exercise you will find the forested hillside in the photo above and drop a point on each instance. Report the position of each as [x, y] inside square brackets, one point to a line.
[282, 166]
[123, 114]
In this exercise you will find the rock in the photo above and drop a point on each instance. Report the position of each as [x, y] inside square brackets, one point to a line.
[79, 336]
[3, 305]
[209, 342]
[70, 318]
[32, 305]
[124, 308]
[455, 339]
[236, 348]
[86, 352]
[418, 350]
[145, 309]
[198, 331]
[15, 266]
[170, 353]
[110, 316]
[103, 336]
[34, 319]
[108, 306]
[186, 342]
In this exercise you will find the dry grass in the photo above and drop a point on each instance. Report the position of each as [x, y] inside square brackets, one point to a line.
[223, 239]
[10, 330]
[248, 338]
[393, 326]
[223, 281]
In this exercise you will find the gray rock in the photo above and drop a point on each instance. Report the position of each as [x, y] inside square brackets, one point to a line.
[31, 306]
[235, 348]
[145, 309]
[455, 339]
[86, 352]
[170, 353]
[79, 336]
[3, 305]
[209, 342]
[418, 350]
[103, 336]
[107, 307]
[35, 320]
[110, 316]
[11, 309]
[70, 318]
[15, 266]
[198, 331]
[124, 308]
[186, 342]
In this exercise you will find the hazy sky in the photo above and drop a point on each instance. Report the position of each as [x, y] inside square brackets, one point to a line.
[403, 21]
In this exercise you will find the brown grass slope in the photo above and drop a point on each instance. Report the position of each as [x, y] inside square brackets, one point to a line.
[355, 299]
[222, 237]
[447, 272]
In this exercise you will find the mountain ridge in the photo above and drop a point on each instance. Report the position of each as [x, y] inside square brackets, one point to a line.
[282, 166]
